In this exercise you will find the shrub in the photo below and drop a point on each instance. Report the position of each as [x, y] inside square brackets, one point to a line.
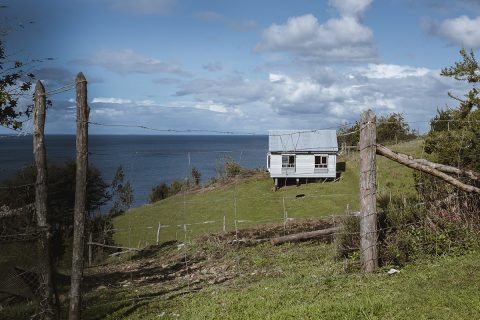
[158, 193]
[196, 176]
[406, 232]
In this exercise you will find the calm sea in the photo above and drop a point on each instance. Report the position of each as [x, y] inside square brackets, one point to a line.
[146, 160]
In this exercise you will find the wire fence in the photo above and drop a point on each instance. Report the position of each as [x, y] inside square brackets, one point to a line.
[233, 222]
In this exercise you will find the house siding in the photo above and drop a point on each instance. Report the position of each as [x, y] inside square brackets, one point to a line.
[304, 167]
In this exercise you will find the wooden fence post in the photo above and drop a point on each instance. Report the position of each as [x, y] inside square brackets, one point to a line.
[368, 190]
[80, 198]
[47, 301]
[90, 252]
[158, 233]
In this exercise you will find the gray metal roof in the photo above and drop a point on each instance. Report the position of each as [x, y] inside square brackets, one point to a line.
[302, 141]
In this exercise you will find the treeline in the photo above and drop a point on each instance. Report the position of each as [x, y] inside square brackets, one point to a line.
[390, 129]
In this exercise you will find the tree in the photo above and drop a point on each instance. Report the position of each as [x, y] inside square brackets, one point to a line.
[159, 192]
[61, 197]
[196, 176]
[390, 128]
[122, 193]
[454, 139]
[14, 83]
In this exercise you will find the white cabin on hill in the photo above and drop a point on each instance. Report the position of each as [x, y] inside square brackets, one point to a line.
[302, 154]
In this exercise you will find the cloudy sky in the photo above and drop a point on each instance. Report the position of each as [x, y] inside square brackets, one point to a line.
[242, 66]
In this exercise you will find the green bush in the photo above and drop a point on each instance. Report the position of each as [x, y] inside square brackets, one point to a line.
[158, 193]
[406, 232]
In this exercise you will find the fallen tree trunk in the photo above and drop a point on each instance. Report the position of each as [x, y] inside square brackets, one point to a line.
[440, 167]
[304, 236]
[248, 242]
[425, 166]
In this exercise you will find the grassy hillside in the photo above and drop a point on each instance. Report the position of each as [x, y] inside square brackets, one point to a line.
[293, 281]
[257, 203]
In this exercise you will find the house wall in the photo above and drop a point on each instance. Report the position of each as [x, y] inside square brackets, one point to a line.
[304, 167]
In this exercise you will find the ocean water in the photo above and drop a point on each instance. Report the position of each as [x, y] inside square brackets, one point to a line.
[147, 160]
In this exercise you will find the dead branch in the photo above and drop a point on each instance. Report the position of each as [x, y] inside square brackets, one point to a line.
[440, 167]
[427, 167]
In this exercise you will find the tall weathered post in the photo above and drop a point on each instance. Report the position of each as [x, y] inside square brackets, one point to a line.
[368, 190]
[80, 198]
[47, 301]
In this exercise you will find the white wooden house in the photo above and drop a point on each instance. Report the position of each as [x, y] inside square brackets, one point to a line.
[302, 154]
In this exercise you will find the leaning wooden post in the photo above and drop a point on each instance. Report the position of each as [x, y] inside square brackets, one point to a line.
[47, 301]
[368, 190]
[80, 198]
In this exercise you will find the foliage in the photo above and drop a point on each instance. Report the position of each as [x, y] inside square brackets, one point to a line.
[163, 191]
[455, 132]
[122, 192]
[390, 128]
[406, 233]
[159, 192]
[196, 176]
[14, 83]
[454, 139]
[19, 191]
[227, 168]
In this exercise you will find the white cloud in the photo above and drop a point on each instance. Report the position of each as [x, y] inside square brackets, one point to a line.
[111, 100]
[128, 61]
[460, 31]
[212, 106]
[325, 97]
[338, 39]
[392, 71]
[144, 7]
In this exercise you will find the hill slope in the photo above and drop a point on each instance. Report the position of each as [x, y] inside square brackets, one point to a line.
[252, 202]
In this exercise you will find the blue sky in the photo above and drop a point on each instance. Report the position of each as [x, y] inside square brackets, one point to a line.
[242, 66]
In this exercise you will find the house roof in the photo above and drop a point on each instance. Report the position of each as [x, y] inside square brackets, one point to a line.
[302, 141]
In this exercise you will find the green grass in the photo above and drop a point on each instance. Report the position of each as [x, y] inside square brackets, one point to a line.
[257, 203]
[303, 281]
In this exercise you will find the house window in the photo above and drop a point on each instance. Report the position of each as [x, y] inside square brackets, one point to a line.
[268, 162]
[321, 162]
[288, 161]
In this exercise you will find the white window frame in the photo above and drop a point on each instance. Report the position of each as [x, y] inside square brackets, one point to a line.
[288, 164]
[321, 165]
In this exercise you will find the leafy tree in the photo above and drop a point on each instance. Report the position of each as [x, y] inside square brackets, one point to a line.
[19, 191]
[196, 176]
[14, 83]
[122, 192]
[349, 135]
[454, 139]
[390, 128]
[455, 132]
[159, 192]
